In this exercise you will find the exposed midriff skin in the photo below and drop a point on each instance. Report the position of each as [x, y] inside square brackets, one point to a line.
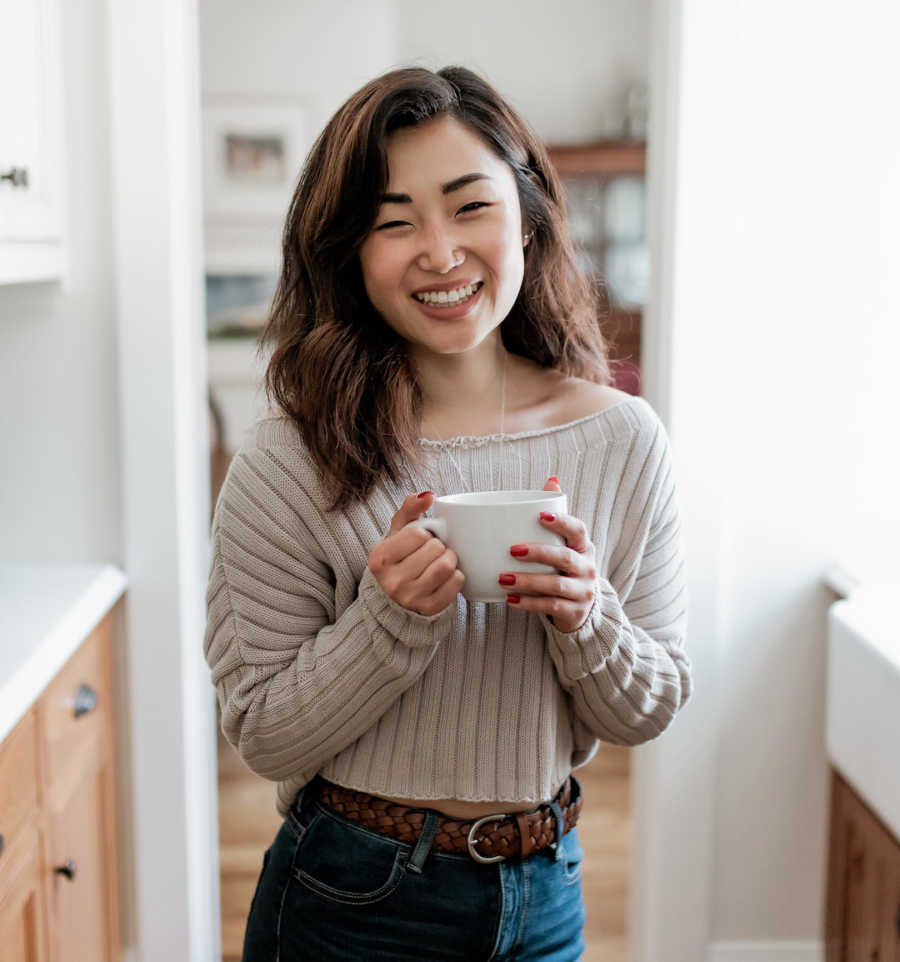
[457, 808]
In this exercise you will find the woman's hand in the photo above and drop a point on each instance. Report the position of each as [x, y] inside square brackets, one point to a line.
[414, 568]
[568, 595]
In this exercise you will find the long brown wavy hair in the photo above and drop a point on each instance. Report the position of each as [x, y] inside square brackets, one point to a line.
[337, 369]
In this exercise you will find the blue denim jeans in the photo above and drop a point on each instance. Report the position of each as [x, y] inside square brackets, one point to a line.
[333, 891]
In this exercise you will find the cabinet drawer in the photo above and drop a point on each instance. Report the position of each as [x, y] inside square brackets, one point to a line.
[23, 930]
[76, 708]
[19, 779]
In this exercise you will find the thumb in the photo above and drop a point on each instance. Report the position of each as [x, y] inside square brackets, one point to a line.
[552, 484]
[413, 507]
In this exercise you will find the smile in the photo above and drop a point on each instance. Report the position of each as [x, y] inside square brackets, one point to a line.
[449, 298]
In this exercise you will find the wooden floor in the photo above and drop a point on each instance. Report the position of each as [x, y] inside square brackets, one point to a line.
[248, 822]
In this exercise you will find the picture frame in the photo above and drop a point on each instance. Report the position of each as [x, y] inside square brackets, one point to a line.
[253, 151]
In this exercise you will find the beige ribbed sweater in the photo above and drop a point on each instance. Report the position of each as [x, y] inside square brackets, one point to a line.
[317, 670]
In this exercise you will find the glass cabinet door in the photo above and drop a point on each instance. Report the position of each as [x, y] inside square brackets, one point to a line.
[606, 196]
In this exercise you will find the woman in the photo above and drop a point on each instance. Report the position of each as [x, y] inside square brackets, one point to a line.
[431, 333]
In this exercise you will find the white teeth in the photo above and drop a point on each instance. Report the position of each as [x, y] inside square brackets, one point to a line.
[449, 297]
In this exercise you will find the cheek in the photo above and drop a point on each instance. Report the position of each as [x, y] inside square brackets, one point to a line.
[379, 271]
[503, 248]
[510, 264]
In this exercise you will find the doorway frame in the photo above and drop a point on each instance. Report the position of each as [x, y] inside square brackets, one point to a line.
[171, 884]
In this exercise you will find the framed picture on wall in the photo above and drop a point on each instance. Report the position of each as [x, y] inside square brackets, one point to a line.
[253, 150]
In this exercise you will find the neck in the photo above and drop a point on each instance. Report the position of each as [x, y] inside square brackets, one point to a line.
[463, 393]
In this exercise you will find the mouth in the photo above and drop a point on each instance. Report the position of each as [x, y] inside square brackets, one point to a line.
[449, 305]
[448, 299]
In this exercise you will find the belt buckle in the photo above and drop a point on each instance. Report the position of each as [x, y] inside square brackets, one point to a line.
[471, 841]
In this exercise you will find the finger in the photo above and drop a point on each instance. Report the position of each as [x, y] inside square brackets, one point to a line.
[436, 573]
[555, 586]
[564, 559]
[410, 551]
[396, 547]
[552, 484]
[555, 607]
[571, 529]
[447, 592]
[412, 508]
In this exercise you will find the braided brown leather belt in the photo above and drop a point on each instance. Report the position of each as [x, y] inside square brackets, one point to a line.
[513, 835]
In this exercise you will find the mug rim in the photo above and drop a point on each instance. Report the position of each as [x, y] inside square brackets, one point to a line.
[467, 497]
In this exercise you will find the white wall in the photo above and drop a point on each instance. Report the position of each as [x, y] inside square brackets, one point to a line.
[565, 66]
[566, 70]
[59, 486]
[786, 341]
[320, 53]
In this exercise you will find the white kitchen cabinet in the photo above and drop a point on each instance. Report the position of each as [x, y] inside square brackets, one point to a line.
[31, 142]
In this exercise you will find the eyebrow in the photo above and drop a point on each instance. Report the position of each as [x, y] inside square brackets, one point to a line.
[447, 188]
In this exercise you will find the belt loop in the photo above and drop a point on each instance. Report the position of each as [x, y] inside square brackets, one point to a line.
[309, 789]
[560, 829]
[423, 845]
[306, 793]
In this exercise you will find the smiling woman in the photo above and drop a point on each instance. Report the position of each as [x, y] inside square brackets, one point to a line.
[467, 229]
[424, 741]
[425, 184]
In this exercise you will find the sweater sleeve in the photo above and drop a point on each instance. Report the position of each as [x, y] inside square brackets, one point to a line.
[626, 667]
[294, 683]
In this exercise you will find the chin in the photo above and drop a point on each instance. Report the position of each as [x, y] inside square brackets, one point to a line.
[454, 346]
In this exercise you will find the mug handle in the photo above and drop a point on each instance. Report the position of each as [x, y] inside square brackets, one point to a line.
[437, 526]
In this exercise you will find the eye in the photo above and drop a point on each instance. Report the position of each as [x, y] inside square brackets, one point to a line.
[392, 223]
[474, 205]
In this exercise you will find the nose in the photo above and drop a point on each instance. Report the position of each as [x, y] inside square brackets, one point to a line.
[439, 252]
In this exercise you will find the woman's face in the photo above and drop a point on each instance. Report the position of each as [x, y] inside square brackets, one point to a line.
[449, 222]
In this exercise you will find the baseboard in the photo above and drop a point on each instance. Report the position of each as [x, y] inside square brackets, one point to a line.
[810, 950]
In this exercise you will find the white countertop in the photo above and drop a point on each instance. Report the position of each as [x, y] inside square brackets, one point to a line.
[862, 704]
[46, 612]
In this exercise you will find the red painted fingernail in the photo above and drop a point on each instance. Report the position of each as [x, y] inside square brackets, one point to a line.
[546, 516]
[513, 599]
[519, 550]
[424, 494]
[554, 478]
[507, 579]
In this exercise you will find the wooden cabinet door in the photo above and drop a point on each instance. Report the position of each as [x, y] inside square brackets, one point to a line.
[79, 869]
[889, 907]
[862, 922]
[861, 904]
[23, 929]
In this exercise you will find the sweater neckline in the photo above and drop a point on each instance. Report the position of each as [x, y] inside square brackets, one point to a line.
[476, 440]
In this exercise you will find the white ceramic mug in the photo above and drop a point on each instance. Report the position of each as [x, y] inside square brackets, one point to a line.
[482, 526]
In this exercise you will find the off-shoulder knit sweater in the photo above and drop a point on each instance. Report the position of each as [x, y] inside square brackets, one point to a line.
[317, 670]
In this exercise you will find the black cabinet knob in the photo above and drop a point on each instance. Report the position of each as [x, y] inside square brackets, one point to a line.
[1, 844]
[17, 176]
[68, 870]
[85, 700]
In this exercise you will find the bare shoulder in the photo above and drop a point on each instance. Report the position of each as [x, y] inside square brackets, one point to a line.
[578, 399]
[546, 397]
